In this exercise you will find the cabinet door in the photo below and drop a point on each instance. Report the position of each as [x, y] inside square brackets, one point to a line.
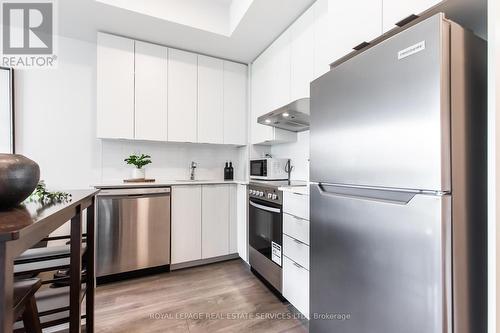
[242, 227]
[396, 10]
[353, 22]
[260, 98]
[235, 103]
[296, 285]
[186, 223]
[302, 55]
[150, 92]
[182, 96]
[278, 74]
[233, 219]
[323, 55]
[210, 100]
[215, 221]
[115, 87]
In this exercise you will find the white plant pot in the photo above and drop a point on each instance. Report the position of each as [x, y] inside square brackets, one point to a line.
[138, 173]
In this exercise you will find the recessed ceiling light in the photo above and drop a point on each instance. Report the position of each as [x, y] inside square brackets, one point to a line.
[268, 121]
[286, 114]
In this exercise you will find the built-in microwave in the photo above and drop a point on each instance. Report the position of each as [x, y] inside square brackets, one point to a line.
[269, 169]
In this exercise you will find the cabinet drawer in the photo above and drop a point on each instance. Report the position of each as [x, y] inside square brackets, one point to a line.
[296, 250]
[296, 228]
[296, 285]
[296, 204]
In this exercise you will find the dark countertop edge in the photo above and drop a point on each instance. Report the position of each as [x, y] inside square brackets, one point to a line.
[16, 234]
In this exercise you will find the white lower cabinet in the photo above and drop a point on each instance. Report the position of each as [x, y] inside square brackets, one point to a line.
[186, 223]
[296, 285]
[204, 222]
[215, 221]
[296, 250]
[296, 204]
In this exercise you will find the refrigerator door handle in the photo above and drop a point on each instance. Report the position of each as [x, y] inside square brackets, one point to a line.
[394, 196]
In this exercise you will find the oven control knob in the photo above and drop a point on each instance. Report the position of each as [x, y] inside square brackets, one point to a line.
[261, 194]
[269, 196]
[252, 192]
[275, 197]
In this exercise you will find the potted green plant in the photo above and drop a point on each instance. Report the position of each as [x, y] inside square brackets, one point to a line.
[138, 161]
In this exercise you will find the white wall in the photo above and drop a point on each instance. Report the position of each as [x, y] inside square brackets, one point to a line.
[56, 127]
[298, 152]
[55, 116]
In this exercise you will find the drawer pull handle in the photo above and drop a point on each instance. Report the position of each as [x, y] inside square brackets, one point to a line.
[298, 219]
[297, 241]
[297, 265]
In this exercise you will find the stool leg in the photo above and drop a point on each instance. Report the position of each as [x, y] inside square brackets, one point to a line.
[31, 320]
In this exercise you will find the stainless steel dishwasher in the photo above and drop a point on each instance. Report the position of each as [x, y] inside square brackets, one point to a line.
[133, 230]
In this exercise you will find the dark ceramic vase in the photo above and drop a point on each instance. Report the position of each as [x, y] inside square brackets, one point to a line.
[18, 178]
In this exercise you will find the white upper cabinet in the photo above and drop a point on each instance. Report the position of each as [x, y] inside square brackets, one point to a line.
[396, 10]
[279, 72]
[115, 87]
[210, 100]
[182, 96]
[323, 55]
[150, 92]
[353, 22]
[260, 99]
[235, 103]
[302, 55]
[271, 90]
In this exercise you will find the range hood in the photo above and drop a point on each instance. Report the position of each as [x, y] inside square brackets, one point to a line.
[292, 117]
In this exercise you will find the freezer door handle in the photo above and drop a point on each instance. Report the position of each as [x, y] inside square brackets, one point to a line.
[401, 197]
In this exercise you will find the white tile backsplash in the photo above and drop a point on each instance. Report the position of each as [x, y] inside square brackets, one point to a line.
[298, 152]
[170, 160]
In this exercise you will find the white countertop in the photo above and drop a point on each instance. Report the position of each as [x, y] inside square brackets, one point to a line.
[296, 188]
[166, 183]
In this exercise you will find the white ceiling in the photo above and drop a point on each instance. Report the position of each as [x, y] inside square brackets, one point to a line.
[233, 29]
[217, 16]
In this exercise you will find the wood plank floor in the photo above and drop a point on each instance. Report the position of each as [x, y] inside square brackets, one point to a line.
[222, 297]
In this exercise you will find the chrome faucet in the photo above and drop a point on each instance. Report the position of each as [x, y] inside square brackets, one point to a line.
[194, 165]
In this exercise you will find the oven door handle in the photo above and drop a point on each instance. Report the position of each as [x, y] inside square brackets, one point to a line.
[267, 209]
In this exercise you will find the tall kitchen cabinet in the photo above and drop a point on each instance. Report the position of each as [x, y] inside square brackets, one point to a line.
[186, 224]
[115, 87]
[396, 10]
[182, 96]
[210, 100]
[151, 91]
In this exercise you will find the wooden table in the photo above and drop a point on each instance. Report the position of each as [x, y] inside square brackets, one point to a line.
[25, 226]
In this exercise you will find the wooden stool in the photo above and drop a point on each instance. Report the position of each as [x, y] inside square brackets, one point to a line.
[25, 304]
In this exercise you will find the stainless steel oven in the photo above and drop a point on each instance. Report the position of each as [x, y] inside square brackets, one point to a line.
[266, 233]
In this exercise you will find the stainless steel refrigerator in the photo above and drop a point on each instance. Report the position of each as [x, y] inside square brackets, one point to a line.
[398, 193]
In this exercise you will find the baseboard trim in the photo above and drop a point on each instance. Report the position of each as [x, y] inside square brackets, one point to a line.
[201, 262]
